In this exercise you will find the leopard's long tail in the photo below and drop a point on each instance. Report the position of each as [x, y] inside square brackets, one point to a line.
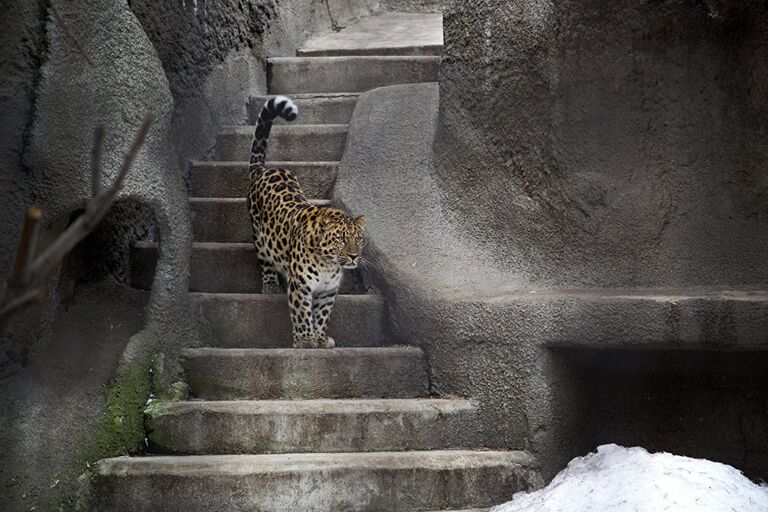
[277, 106]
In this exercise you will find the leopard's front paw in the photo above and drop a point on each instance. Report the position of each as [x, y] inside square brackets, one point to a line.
[327, 342]
[272, 288]
[305, 341]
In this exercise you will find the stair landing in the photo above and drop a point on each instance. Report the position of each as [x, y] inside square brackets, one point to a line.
[389, 33]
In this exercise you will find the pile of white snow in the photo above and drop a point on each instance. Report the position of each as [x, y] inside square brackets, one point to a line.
[617, 479]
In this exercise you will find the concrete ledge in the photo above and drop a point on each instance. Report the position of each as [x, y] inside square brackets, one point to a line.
[293, 142]
[230, 179]
[263, 321]
[302, 426]
[386, 372]
[290, 75]
[313, 108]
[694, 319]
[423, 50]
[399, 481]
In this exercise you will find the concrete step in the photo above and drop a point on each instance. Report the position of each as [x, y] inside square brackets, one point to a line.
[401, 51]
[286, 373]
[230, 179]
[242, 274]
[313, 108]
[386, 33]
[305, 426]
[293, 142]
[216, 267]
[292, 75]
[263, 321]
[225, 219]
[379, 481]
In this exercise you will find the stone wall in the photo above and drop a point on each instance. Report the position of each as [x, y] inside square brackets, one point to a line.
[609, 143]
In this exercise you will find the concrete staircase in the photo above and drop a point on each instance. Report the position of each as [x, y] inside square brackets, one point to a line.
[272, 428]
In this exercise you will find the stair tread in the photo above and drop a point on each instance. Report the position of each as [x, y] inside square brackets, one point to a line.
[288, 129]
[318, 406]
[239, 200]
[275, 163]
[260, 297]
[354, 58]
[186, 465]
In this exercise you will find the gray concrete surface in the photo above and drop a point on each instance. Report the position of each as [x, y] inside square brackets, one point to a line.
[313, 108]
[380, 372]
[387, 33]
[294, 142]
[293, 75]
[315, 482]
[627, 158]
[260, 321]
[230, 179]
[51, 409]
[312, 426]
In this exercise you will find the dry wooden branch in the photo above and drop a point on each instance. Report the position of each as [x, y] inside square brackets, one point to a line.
[25, 251]
[23, 288]
[33, 296]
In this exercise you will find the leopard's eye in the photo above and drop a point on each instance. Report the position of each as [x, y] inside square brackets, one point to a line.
[341, 238]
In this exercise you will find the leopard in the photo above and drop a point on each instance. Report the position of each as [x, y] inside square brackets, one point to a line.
[306, 246]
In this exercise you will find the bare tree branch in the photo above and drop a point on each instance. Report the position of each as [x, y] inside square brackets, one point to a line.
[25, 251]
[94, 212]
[33, 296]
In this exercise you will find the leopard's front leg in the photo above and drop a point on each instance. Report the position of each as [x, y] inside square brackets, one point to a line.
[300, 304]
[322, 305]
[270, 282]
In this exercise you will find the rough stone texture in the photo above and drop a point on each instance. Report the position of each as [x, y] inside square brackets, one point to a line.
[634, 156]
[312, 426]
[264, 374]
[300, 75]
[230, 179]
[491, 339]
[49, 408]
[294, 142]
[383, 34]
[314, 482]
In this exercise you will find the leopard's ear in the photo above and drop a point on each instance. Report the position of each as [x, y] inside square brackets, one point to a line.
[360, 222]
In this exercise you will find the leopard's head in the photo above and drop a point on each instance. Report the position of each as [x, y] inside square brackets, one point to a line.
[342, 239]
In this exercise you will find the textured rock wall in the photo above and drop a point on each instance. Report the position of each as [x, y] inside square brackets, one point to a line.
[601, 143]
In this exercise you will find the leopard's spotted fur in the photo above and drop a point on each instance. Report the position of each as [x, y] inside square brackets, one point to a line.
[305, 244]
